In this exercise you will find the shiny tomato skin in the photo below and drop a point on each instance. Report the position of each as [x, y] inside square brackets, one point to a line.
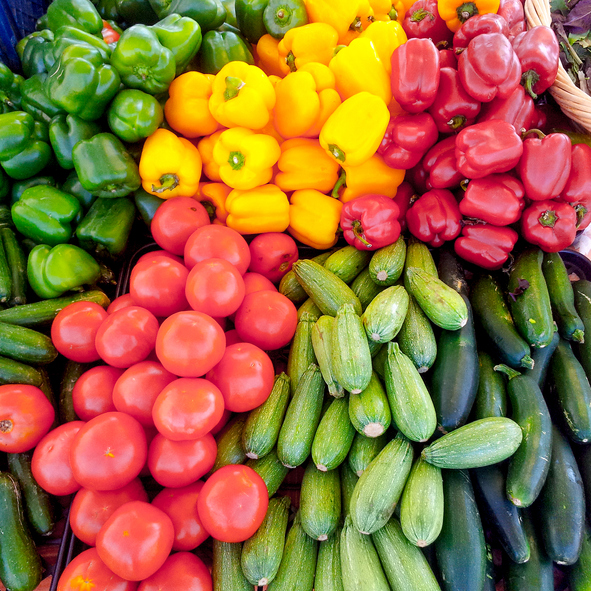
[50, 463]
[178, 463]
[108, 452]
[267, 319]
[182, 571]
[136, 540]
[92, 394]
[123, 301]
[190, 343]
[90, 509]
[272, 254]
[25, 417]
[233, 502]
[74, 329]
[180, 504]
[256, 282]
[163, 253]
[244, 375]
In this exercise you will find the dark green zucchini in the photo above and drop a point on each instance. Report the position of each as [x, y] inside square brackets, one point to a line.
[582, 292]
[26, 345]
[17, 263]
[541, 359]
[491, 398]
[227, 572]
[15, 372]
[579, 574]
[583, 456]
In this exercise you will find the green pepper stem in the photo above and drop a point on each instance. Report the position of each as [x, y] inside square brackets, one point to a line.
[578, 336]
[541, 135]
[336, 152]
[236, 160]
[393, 14]
[210, 209]
[456, 122]
[356, 25]
[359, 234]
[418, 15]
[508, 371]
[466, 10]
[581, 212]
[529, 79]
[168, 182]
[342, 182]
[233, 86]
[548, 218]
[282, 16]
[290, 61]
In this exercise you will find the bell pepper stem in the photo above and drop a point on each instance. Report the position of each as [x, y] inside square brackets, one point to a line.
[336, 152]
[290, 61]
[393, 14]
[548, 218]
[418, 15]
[168, 182]
[528, 80]
[210, 209]
[466, 10]
[356, 25]
[358, 232]
[508, 371]
[581, 212]
[233, 86]
[537, 132]
[236, 160]
[341, 182]
[456, 122]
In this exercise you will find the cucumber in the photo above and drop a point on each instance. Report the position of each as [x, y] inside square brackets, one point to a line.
[562, 298]
[387, 263]
[26, 345]
[365, 288]
[583, 455]
[379, 488]
[404, 564]
[226, 570]
[360, 564]
[322, 345]
[5, 277]
[328, 566]
[529, 300]
[476, 444]
[301, 352]
[579, 574]
[369, 411]
[15, 372]
[325, 288]
[271, 470]
[72, 371]
[364, 450]
[291, 288]
[229, 442]
[20, 564]
[351, 357]
[47, 389]
[298, 565]
[460, 548]
[421, 507]
[263, 424]
[348, 481]
[320, 502]
[412, 408]
[334, 436]
[385, 314]
[261, 553]
[491, 312]
[309, 308]
[582, 292]
[301, 419]
[491, 396]
[416, 337]
[347, 262]
[418, 255]
[528, 468]
[541, 359]
[17, 263]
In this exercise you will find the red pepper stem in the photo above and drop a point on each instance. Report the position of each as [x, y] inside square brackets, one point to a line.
[418, 15]
[538, 132]
[342, 182]
[581, 211]
[358, 232]
[456, 122]
[548, 218]
[529, 79]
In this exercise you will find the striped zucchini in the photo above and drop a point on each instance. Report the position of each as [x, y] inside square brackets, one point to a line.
[328, 566]
[385, 314]
[310, 308]
[322, 345]
[291, 288]
[348, 481]
[347, 262]
[227, 572]
[365, 288]
[418, 255]
[387, 263]
[229, 442]
[364, 450]
[271, 470]
[369, 410]
[301, 352]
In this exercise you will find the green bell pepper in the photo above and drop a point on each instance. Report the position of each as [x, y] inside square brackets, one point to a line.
[10, 89]
[53, 271]
[34, 99]
[78, 13]
[41, 131]
[146, 204]
[134, 115]
[31, 161]
[5, 185]
[142, 61]
[73, 186]
[108, 10]
[210, 14]
[230, 7]
[104, 167]
[45, 214]
[32, 52]
[219, 48]
[282, 15]
[106, 228]
[19, 187]
[136, 12]
[65, 131]
[249, 16]
[182, 35]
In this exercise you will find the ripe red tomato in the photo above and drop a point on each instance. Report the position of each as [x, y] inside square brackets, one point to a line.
[50, 463]
[182, 571]
[175, 220]
[25, 417]
[162, 253]
[267, 319]
[232, 337]
[74, 329]
[187, 408]
[123, 301]
[190, 343]
[178, 463]
[244, 376]
[233, 502]
[92, 394]
[256, 282]
[90, 509]
[108, 452]
[136, 540]
[180, 504]
[157, 283]
[272, 254]
[217, 242]
[222, 422]
[215, 287]
[138, 387]
[127, 336]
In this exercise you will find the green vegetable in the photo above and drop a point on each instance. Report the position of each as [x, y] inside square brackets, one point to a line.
[10, 89]
[249, 17]
[73, 186]
[34, 99]
[77, 13]
[491, 397]
[322, 345]
[387, 263]
[26, 345]
[301, 351]
[384, 315]
[347, 262]
[221, 47]
[33, 48]
[229, 442]
[328, 566]
[227, 572]
[182, 35]
[369, 411]
[65, 131]
[279, 16]
[270, 469]
[363, 451]
[210, 14]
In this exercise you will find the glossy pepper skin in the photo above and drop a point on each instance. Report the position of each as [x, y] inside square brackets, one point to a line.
[73, 186]
[210, 14]
[205, 146]
[485, 245]
[434, 217]
[518, 109]
[136, 12]
[134, 115]
[77, 13]
[213, 197]
[577, 191]
[385, 36]
[478, 25]
[512, 12]
[422, 21]
[66, 36]
[339, 14]
[33, 51]
[19, 187]
[267, 52]
[550, 224]
[10, 89]
[34, 99]
[440, 166]
[250, 18]
[219, 48]
[370, 222]
[65, 131]
[364, 17]
[280, 16]
[456, 12]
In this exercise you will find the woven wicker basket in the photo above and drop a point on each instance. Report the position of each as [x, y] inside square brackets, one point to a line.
[575, 103]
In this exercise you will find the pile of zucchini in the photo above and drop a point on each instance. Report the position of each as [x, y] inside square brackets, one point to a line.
[424, 405]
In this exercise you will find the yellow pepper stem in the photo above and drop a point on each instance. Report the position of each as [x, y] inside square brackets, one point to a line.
[336, 152]
[168, 182]
[342, 182]
[393, 14]
[233, 86]
[466, 10]
[290, 61]
[236, 160]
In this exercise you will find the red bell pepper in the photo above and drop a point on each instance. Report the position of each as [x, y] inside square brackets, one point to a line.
[370, 222]
[448, 59]
[407, 139]
[422, 21]
[108, 33]
[453, 108]
[512, 12]
[538, 53]
[487, 147]
[434, 217]
[489, 67]
[405, 194]
[550, 224]
[417, 176]
[577, 191]
[544, 166]
[485, 245]
[518, 109]
[441, 165]
[415, 74]
[478, 25]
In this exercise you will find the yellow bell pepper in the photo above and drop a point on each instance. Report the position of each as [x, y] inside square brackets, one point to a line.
[314, 218]
[339, 14]
[170, 166]
[363, 18]
[386, 36]
[211, 168]
[267, 56]
[373, 176]
[388, 10]
[456, 12]
[187, 109]
[352, 134]
[245, 158]
[358, 68]
[304, 164]
[213, 197]
[242, 96]
[258, 210]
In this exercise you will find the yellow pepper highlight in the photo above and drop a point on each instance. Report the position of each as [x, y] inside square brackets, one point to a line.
[242, 96]
[211, 168]
[170, 166]
[456, 12]
[363, 18]
[352, 134]
[314, 218]
[213, 197]
[245, 158]
[386, 36]
[267, 52]
[339, 14]
[262, 209]
[304, 164]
